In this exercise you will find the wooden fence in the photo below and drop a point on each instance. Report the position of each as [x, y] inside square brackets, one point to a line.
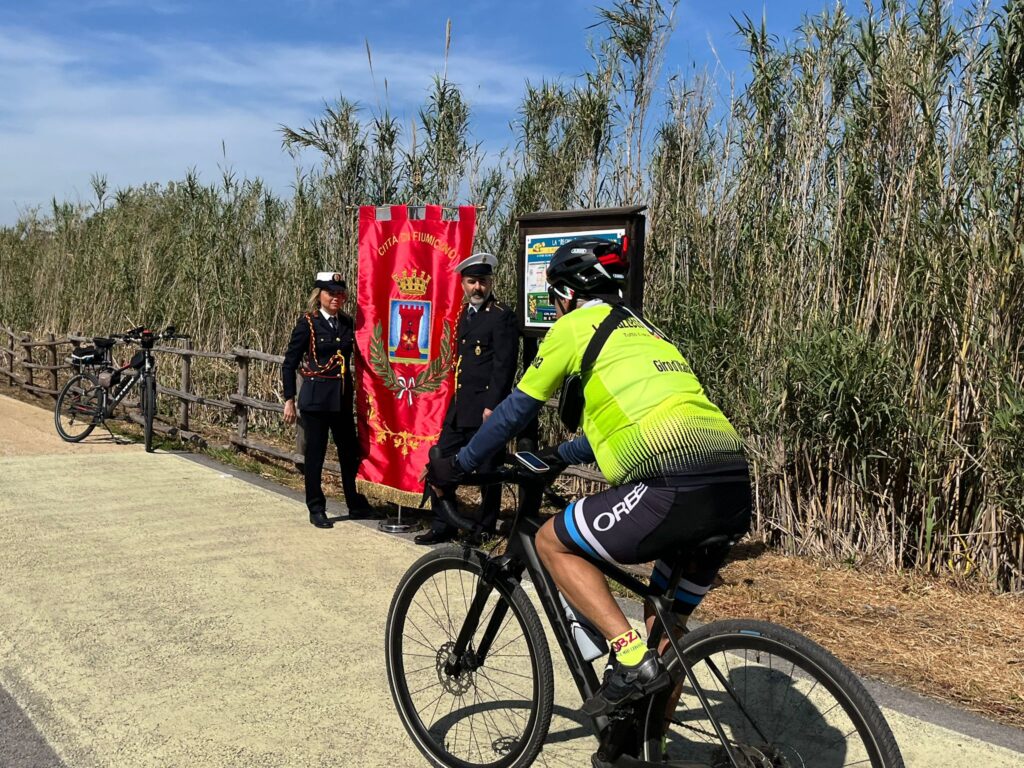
[21, 351]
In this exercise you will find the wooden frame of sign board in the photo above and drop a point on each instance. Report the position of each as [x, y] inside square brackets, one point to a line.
[542, 231]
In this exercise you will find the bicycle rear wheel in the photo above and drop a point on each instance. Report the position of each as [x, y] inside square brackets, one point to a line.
[148, 395]
[77, 410]
[781, 699]
[494, 711]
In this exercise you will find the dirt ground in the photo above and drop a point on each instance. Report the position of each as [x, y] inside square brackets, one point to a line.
[949, 641]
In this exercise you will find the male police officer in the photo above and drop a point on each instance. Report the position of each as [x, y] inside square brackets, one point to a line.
[485, 366]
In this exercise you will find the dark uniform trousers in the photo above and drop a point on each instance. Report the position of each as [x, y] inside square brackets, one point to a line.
[488, 351]
[338, 424]
[325, 402]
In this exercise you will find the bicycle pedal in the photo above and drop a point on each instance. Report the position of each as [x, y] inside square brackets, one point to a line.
[659, 683]
[627, 761]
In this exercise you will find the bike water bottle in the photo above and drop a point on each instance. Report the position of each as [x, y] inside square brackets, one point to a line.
[590, 642]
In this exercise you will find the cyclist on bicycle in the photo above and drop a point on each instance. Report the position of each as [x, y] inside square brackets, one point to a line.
[675, 464]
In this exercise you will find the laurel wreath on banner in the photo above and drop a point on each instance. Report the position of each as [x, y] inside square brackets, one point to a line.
[427, 380]
[405, 441]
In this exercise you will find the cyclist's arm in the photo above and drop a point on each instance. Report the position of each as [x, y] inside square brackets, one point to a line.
[512, 414]
[577, 451]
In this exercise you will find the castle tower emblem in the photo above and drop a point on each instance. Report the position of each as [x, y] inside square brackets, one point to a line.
[409, 319]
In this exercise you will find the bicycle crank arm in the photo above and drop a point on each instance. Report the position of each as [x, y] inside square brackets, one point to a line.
[625, 761]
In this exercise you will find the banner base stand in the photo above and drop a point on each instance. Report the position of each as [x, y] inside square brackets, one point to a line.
[395, 524]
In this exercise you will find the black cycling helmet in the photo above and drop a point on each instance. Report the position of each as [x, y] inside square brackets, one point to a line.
[588, 266]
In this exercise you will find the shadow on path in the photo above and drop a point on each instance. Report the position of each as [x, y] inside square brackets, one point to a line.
[21, 745]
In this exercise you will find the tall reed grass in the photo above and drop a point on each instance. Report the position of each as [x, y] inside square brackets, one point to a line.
[836, 246]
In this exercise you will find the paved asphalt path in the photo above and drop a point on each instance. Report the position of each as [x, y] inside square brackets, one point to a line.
[162, 610]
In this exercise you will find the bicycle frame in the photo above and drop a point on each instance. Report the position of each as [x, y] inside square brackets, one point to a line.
[113, 397]
[521, 555]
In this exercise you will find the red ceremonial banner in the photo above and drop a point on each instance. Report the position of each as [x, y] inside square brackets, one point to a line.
[408, 303]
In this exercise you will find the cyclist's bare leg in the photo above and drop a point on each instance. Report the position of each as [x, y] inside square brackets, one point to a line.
[582, 583]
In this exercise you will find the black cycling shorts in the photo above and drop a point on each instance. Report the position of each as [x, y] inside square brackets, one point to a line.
[655, 520]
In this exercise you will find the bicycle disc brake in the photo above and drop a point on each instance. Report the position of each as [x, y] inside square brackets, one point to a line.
[455, 675]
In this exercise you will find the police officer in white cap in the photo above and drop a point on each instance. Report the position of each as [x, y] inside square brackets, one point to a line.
[485, 367]
[321, 351]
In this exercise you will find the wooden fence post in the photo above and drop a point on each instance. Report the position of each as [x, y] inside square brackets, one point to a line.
[53, 362]
[242, 411]
[10, 358]
[186, 385]
[26, 341]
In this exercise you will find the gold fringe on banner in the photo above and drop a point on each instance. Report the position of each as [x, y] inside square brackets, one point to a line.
[387, 493]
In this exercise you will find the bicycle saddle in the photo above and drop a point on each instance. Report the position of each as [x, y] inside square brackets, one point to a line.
[103, 342]
[685, 549]
[717, 541]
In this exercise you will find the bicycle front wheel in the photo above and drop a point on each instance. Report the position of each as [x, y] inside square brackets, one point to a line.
[148, 395]
[77, 410]
[781, 700]
[485, 709]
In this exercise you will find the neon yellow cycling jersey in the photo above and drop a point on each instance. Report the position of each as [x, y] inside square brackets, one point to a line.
[646, 415]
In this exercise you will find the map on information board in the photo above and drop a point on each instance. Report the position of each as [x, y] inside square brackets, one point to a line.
[539, 250]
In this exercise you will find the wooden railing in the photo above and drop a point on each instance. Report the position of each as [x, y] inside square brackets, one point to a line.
[19, 350]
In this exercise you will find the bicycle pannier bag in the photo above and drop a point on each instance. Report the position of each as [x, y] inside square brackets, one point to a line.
[86, 356]
[108, 379]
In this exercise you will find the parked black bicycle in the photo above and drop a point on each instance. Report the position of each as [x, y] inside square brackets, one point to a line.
[470, 670]
[89, 397]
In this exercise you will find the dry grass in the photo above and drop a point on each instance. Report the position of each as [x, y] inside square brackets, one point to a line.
[834, 244]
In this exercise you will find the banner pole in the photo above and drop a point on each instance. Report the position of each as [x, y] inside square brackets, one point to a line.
[395, 524]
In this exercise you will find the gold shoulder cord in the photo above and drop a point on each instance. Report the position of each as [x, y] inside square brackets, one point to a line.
[314, 369]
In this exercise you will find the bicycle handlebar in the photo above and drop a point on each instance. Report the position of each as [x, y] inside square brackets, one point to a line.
[448, 511]
[137, 334]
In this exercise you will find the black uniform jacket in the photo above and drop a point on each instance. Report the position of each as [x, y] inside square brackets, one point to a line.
[488, 350]
[323, 392]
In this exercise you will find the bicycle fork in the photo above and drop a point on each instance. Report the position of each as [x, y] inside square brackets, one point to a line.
[463, 658]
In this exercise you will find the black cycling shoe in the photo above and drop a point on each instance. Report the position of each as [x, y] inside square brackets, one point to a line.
[624, 684]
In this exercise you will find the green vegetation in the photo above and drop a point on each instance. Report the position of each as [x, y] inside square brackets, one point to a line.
[837, 247]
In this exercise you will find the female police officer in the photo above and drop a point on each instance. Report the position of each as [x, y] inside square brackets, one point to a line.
[320, 350]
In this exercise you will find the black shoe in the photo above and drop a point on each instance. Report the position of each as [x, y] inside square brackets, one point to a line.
[624, 684]
[319, 519]
[361, 513]
[433, 537]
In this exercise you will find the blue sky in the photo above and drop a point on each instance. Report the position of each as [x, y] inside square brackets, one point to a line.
[143, 90]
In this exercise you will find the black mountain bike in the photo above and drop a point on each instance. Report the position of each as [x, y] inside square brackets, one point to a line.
[90, 396]
[470, 670]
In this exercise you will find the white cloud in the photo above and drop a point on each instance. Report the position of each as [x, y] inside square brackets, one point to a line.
[140, 111]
